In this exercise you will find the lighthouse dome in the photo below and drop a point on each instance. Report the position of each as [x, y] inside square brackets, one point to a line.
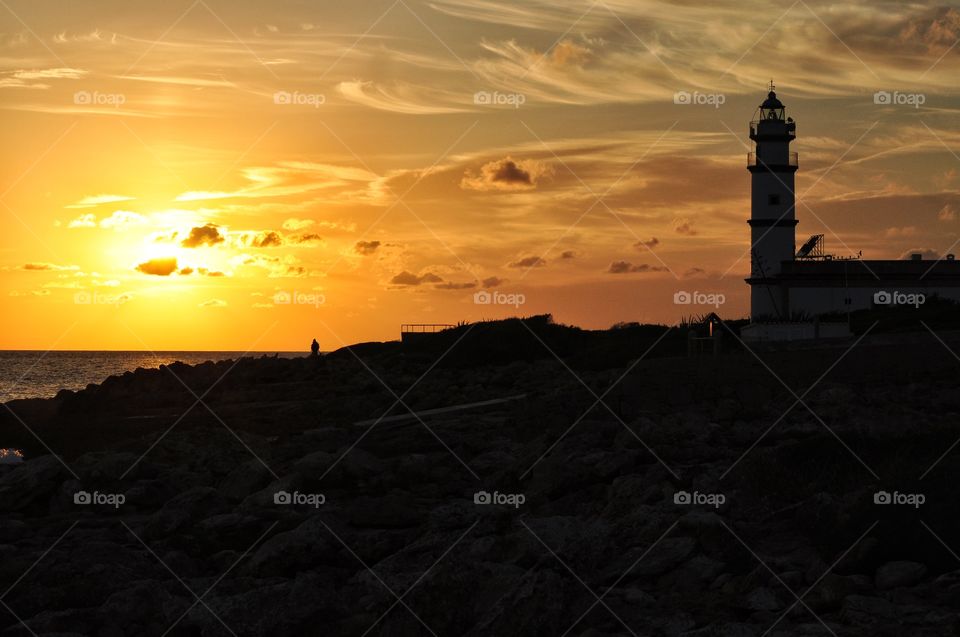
[772, 102]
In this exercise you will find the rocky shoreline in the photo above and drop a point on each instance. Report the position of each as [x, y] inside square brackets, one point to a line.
[244, 498]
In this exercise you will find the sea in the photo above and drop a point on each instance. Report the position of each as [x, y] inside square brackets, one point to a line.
[38, 374]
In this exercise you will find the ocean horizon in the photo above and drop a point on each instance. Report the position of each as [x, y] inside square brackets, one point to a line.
[41, 374]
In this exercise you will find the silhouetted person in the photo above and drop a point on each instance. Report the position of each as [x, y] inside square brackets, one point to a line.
[314, 348]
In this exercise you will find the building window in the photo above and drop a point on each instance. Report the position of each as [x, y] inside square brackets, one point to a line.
[773, 200]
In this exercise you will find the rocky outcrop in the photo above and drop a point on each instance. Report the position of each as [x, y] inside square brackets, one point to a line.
[698, 510]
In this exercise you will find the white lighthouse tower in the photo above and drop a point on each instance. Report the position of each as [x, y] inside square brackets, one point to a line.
[772, 211]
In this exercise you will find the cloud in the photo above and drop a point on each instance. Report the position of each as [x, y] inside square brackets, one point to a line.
[297, 224]
[653, 242]
[407, 99]
[906, 231]
[88, 220]
[213, 303]
[51, 74]
[96, 200]
[46, 267]
[505, 175]
[684, 227]
[568, 254]
[164, 266]
[528, 262]
[366, 247]
[492, 282]
[409, 279]
[308, 237]
[267, 240]
[625, 267]
[927, 253]
[208, 234]
[24, 78]
[450, 285]
[122, 219]
[947, 213]
[692, 272]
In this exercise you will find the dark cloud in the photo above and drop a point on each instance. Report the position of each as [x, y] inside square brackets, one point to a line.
[310, 237]
[492, 282]
[185, 271]
[684, 227]
[505, 174]
[267, 240]
[207, 235]
[692, 272]
[625, 267]
[652, 243]
[528, 262]
[450, 285]
[408, 278]
[568, 254]
[366, 247]
[159, 267]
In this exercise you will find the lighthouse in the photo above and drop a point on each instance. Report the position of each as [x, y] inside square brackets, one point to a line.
[773, 222]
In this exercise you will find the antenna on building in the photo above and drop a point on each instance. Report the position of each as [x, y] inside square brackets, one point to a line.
[772, 85]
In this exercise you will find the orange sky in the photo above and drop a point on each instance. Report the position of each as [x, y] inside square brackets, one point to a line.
[239, 175]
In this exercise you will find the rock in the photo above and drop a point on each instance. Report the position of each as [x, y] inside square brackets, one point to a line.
[32, 482]
[666, 555]
[762, 598]
[861, 609]
[184, 510]
[298, 550]
[897, 574]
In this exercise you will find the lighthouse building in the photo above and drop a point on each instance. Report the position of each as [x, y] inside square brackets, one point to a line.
[789, 283]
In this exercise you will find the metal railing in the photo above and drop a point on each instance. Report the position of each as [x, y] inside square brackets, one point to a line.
[424, 328]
